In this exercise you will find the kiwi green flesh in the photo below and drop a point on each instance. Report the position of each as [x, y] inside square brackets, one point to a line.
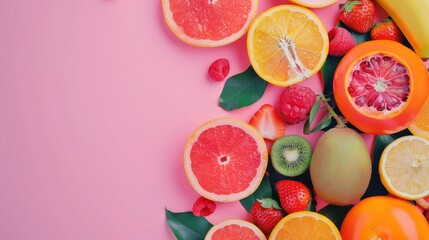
[291, 155]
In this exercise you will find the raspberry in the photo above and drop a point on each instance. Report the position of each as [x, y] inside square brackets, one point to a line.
[295, 103]
[219, 69]
[340, 41]
[203, 207]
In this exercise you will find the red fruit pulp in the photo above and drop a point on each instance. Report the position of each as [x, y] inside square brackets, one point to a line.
[379, 83]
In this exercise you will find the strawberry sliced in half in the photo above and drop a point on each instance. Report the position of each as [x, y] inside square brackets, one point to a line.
[268, 123]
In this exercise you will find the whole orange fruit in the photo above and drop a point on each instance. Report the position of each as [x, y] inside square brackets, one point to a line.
[383, 217]
[380, 86]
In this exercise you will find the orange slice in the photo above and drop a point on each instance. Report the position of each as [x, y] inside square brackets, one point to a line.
[420, 126]
[404, 167]
[287, 44]
[209, 23]
[225, 159]
[305, 225]
[314, 3]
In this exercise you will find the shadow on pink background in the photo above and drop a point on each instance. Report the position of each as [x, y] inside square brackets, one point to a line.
[97, 99]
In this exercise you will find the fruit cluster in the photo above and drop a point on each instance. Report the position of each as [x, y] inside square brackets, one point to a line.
[378, 85]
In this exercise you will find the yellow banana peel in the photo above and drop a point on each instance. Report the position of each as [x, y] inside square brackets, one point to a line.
[412, 17]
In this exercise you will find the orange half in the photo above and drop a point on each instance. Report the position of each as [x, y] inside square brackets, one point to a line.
[287, 44]
[305, 225]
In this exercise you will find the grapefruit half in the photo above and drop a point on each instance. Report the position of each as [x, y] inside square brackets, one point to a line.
[225, 159]
[235, 229]
[209, 23]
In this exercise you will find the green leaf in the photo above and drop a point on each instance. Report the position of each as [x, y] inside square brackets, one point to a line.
[263, 191]
[242, 90]
[185, 225]
[335, 213]
[375, 187]
[328, 70]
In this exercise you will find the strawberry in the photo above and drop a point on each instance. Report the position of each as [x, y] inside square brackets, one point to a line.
[358, 15]
[268, 122]
[294, 196]
[387, 30]
[266, 213]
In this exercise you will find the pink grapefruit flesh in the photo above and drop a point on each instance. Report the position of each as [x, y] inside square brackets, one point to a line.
[235, 229]
[209, 23]
[225, 159]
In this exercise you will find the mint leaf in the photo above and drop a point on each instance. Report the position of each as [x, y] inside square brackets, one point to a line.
[185, 225]
[263, 191]
[242, 90]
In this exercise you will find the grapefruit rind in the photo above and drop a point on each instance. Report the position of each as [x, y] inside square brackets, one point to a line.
[179, 33]
[253, 185]
[417, 165]
[302, 73]
[392, 123]
[317, 219]
[232, 221]
[314, 3]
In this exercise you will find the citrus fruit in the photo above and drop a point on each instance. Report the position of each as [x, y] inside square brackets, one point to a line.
[404, 167]
[225, 159]
[423, 202]
[420, 126]
[383, 217]
[305, 225]
[209, 23]
[287, 44]
[235, 229]
[380, 86]
[314, 3]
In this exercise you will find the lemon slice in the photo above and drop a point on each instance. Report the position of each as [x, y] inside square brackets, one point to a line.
[404, 167]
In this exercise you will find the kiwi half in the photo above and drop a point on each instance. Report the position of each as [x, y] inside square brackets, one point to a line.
[291, 155]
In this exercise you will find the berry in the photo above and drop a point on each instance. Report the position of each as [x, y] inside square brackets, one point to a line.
[295, 103]
[266, 213]
[387, 30]
[203, 207]
[340, 41]
[358, 15]
[268, 123]
[294, 196]
[219, 69]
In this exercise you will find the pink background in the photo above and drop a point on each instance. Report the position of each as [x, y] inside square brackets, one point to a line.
[97, 99]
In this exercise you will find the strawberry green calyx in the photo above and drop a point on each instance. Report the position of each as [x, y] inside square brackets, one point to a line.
[269, 203]
[348, 6]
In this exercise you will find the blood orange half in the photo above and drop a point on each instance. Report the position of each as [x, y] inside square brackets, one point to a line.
[209, 23]
[225, 159]
[235, 229]
[380, 86]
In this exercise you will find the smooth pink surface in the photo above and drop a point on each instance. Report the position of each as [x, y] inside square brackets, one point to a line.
[97, 100]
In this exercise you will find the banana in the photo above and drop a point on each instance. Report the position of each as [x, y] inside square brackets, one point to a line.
[412, 18]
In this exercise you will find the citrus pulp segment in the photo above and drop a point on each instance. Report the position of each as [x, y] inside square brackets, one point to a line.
[404, 167]
[225, 159]
[305, 225]
[235, 229]
[420, 126]
[314, 3]
[209, 23]
[287, 44]
[380, 86]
